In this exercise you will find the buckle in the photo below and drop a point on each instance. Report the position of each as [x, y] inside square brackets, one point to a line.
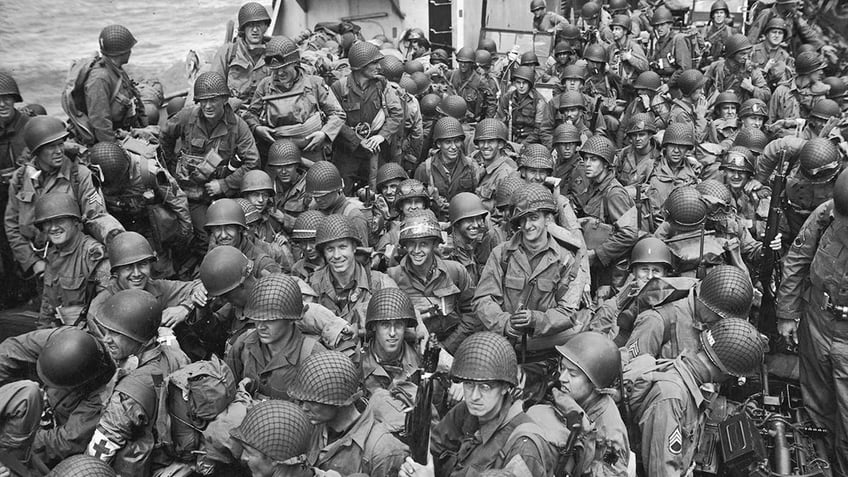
[840, 312]
[362, 130]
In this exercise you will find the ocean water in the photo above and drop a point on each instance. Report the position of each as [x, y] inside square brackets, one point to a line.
[40, 38]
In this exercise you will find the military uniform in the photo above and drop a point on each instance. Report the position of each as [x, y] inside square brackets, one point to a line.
[472, 255]
[686, 112]
[610, 203]
[263, 263]
[448, 180]
[629, 69]
[12, 142]
[530, 121]
[478, 93]
[722, 76]
[782, 62]
[382, 375]
[112, 101]
[716, 35]
[789, 101]
[798, 30]
[491, 175]
[549, 22]
[573, 173]
[168, 293]
[409, 141]
[664, 331]
[671, 56]
[582, 124]
[632, 169]
[243, 70]
[350, 303]
[663, 179]
[347, 207]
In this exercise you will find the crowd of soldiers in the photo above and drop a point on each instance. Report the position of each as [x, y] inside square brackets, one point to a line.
[265, 280]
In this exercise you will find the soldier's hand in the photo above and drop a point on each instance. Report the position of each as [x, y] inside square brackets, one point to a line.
[777, 243]
[198, 295]
[564, 402]
[38, 267]
[213, 188]
[410, 468]
[747, 84]
[316, 140]
[264, 132]
[372, 144]
[521, 320]
[753, 185]
[5, 472]
[788, 329]
[174, 315]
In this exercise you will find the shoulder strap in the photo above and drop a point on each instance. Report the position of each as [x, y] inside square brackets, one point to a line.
[307, 347]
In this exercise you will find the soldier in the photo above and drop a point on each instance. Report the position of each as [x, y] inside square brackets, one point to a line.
[646, 86]
[471, 241]
[441, 290]
[285, 167]
[74, 370]
[324, 184]
[374, 115]
[735, 72]
[737, 167]
[389, 177]
[429, 115]
[12, 122]
[112, 101]
[635, 161]
[717, 31]
[216, 148]
[466, 82]
[124, 437]
[407, 144]
[411, 196]
[503, 207]
[589, 369]
[568, 165]
[770, 56]
[674, 401]
[606, 207]
[594, 23]
[291, 104]
[50, 171]
[226, 225]
[274, 436]
[496, 160]
[669, 55]
[448, 170]
[674, 168]
[343, 285]
[725, 122]
[824, 111]
[303, 241]
[535, 164]
[795, 98]
[544, 20]
[571, 107]
[272, 351]
[753, 114]
[798, 30]
[604, 84]
[258, 189]
[416, 45]
[455, 106]
[525, 110]
[240, 61]
[755, 140]
[145, 198]
[344, 439]
[387, 357]
[625, 56]
[690, 108]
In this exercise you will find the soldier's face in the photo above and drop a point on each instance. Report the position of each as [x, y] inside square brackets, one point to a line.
[51, 156]
[662, 29]
[225, 235]
[61, 231]
[120, 347]
[420, 250]
[522, 86]
[753, 122]
[212, 109]
[284, 174]
[339, 254]
[307, 249]
[775, 37]
[617, 32]
[272, 331]
[595, 67]
[471, 228]
[572, 114]
[534, 226]
[134, 275]
[389, 190]
[719, 16]
[319, 413]
[388, 337]
[7, 106]
[534, 175]
[640, 140]
[414, 203]
[574, 382]
[742, 57]
[259, 199]
[736, 179]
[484, 399]
[465, 67]
[538, 12]
[325, 201]
[566, 150]
[285, 75]
[675, 153]
[562, 58]
[727, 111]
[643, 272]
[371, 70]
[595, 167]
[489, 148]
[450, 148]
[254, 31]
[258, 463]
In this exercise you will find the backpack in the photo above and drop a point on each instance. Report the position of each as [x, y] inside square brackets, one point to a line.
[73, 98]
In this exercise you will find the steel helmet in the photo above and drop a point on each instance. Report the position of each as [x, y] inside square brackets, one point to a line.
[335, 227]
[595, 52]
[9, 87]
[651, 250]
[113, 162]
[819, 155]
[416, 34]
[490, 128]
[252, 12]
[453, 105]
[616, 5]
[685, 207]
[727, 97]
[223, 269]
[808, 62]
[488, 44]
[753, 107]
[563, 47]
[362, 54]
[465, 55]
[54, 206]
[408, 84]
[115, 40]
[133, 313]
[599, 146]
[590, 11]
[306, 225]
[529, 58]
[536, 156]
[483, 58]
[594, 354]
[661, 15]
[389, 304]
[72, 358]
[507, 187]
[256, 180]
[527, 73]
[82, 465]
[642, 122]
[43, 130]
[413, 66]
[278, 429]
[621, 20]
[753, 139]
[776, 23]
[390, 171]
[533, 198]
[447, 128]
[128, 248]
[225, 212]
[323, 177]
[283, 152]
[716, 191]
[837, 87]
[840, 196]
[570, 32]
[719, 5]
[690, 80]
[210, 85]
[576, 71]
[411, 189]
[281, 51]
[391, 67]
[429, 104]
[485, 356]
[826, 109]
[648, 80]
[566, 133]
[537, 4]
[465, 205]
[736, 43]
[328, 378]
[738, 158]
[420, 224]
[682, 134]
[251, 213]
[274, 297]
[572, 99]
[735, 346]
[727, 292]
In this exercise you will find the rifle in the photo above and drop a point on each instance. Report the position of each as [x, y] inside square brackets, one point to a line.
[639, 201]
[596, 111]
[567, 458]
[509, 123]
[769, 265]
[417, 426]
[702, 267]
